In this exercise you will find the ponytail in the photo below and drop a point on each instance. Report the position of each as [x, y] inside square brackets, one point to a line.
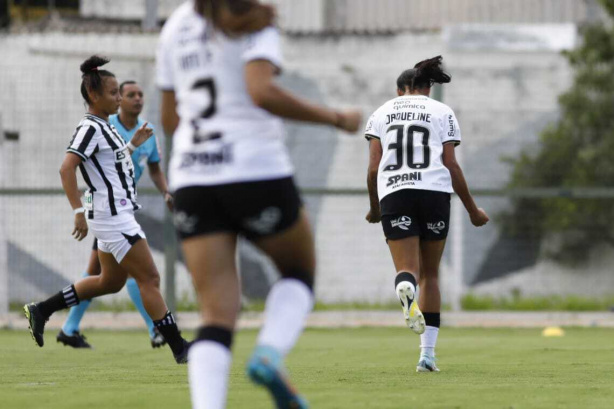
[92, 76]
[424, 75]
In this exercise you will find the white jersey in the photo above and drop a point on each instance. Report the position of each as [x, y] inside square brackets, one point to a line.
[107, 168]
[222, 137]
[413, 130]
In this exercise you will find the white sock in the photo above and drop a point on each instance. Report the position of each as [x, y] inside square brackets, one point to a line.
[208, 370]
[287, 306]
[428, 340]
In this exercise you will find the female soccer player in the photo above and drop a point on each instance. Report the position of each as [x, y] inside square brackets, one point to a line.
[126, 123]
[412, 171]
[106, 166]
[232, 175]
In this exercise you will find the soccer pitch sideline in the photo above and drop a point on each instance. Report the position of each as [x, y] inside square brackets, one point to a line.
[334, 368]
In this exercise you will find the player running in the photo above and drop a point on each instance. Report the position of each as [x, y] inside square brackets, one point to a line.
[126, 123]
[232, 175]
[104, 159]
[412, 172]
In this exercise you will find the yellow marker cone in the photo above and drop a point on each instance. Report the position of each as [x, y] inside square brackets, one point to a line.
[553, 332]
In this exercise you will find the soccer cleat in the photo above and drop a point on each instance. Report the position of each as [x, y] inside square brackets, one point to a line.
[36, 323]
[158, 339]
[266, 368]
[182, 357]
[77, 340]
[411, 311]
[426, 364]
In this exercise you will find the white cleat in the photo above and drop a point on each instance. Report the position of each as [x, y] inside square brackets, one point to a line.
[413, 315]
[426, 364]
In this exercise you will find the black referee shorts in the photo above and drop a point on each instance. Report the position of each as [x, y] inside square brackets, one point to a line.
[414, 212]
[253, 209]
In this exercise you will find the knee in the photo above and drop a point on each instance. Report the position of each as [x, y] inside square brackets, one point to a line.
[151, 279]
[113, 287]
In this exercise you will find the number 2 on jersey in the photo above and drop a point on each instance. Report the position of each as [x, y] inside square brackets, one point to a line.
[397, 145]
[208, 85]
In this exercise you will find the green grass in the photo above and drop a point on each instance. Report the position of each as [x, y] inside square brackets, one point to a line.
[517, 302]
[335, 369]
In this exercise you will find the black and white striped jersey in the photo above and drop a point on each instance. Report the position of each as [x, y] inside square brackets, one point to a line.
[107, 168]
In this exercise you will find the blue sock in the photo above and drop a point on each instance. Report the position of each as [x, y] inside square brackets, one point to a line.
[75, 315]
[135, 296]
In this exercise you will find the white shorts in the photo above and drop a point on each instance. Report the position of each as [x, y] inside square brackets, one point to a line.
[116, 234]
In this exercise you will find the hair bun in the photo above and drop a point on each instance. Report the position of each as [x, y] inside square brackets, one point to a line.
[92, 64]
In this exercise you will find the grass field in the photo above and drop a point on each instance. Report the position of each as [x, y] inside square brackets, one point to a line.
[335, 369]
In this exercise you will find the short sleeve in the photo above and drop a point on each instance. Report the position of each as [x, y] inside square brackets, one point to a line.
[164, 66]
[84, 142]
[263, 45]
[452, 133]
[372, 130]
[154, 155]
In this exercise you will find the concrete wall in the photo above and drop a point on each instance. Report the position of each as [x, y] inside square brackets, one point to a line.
[502, 99]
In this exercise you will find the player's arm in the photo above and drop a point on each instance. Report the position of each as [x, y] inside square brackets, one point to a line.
[375, 157]
[260, 74]
[157, 177]
[477, 215]
[170, 119]
[68, 174]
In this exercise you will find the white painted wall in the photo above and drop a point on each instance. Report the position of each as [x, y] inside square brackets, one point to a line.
[502, 100]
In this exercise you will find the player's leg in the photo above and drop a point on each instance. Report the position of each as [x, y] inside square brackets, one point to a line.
[69, 334]
[288, 305]
[406, 258]
[109, 281]
[430, 301]
[435, 208]
[211, 261]
[135, 258]
[400, 222]
[157, 340]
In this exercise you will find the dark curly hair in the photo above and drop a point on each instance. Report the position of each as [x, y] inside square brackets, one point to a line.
[424, 75]
[92, 76]
[210, 9]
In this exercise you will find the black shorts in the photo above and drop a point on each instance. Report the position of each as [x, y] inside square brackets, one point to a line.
[414, 212]
[253, 209]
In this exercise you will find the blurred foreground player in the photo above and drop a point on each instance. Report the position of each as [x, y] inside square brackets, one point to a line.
[231, 175]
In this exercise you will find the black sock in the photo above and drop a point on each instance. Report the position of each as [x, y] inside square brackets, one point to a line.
[405, 276]
[170, 332]
[64, 299]
[432, 319]
[220, 335]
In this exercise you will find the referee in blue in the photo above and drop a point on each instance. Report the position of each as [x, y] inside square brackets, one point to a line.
[126, 122]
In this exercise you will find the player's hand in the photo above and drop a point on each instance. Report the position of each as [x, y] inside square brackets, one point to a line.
[374, 216]
[257, 18]
[168, 199]
[479, 217]
[141, 135]
[80, 230]
[349, 120]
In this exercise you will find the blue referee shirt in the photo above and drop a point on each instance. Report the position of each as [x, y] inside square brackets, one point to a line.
[144, 154]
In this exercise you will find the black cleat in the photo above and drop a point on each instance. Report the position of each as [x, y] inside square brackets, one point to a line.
[182, 357]
[36, 322]
[158, 339]
[76, 340]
